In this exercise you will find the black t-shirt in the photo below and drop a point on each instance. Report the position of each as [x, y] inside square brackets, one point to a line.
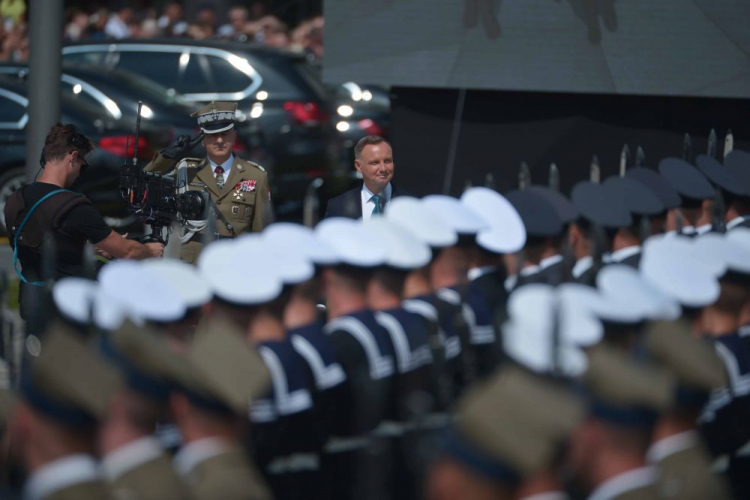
[83, 221]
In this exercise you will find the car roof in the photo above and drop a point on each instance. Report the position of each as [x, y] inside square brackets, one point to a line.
[248, 47]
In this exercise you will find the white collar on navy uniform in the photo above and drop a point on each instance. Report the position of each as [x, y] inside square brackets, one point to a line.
[478, 272]
[60, 474]
[703, 229]
[624, 253]
[193, 454]
[550, 261]
[129, 456]
[735, 222]
[627, 481]
[582, 265]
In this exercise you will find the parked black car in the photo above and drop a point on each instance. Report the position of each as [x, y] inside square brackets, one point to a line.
[114, 141]
[116, 94]
[275, 89]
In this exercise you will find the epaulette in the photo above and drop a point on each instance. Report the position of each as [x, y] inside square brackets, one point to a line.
[194, 162]
[252, 163]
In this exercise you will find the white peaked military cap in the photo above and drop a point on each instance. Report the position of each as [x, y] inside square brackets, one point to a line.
[300, 239]
[528, 335]
[183, 278]
[292, 265]
[729, 255]
[241, 272]
[578, 322]
[626, 287]
[675, 270]
[143, 294]
[351, 243]
[457, 215]
[421, 221]
[506, 232]
[405, 251]
[80, 300]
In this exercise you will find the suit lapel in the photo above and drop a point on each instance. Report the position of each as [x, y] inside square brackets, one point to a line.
[235, 176]
[357, 203]
[206, 176]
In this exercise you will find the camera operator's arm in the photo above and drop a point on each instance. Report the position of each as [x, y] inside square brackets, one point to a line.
[122, 248]
[165, 160]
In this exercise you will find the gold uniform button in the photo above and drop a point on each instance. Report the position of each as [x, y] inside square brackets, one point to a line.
[218, 202]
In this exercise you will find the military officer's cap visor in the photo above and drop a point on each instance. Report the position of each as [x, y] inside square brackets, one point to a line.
[216, 117]
[539, 216]
[513, 399]
[636, 197]
[226, 375]
[148, 365]
[669, 197]
[67, 382]
[565, 209]
[720, 176]
[687, 180]
[624, 392]
[600, 205]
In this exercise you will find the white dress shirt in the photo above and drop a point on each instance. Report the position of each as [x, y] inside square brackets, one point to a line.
[227, 166]
[735, 222]
[582, 265]
[129, 456]
[60, 474]
[116, 27]
[624, 253]
[368, 204]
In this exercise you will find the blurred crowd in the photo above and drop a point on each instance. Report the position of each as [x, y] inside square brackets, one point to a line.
[246, 22]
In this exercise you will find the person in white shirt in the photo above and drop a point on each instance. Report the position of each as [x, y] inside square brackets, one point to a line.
[117, 25]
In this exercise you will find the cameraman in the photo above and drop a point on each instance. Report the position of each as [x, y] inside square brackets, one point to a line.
[47, 205]
[238, 188]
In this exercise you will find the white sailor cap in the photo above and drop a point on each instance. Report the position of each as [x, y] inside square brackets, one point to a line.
[578, 322]
[183, 278]
[729, 254]
[301, 239]
[405, 251]
[506, 232]
[625, 287]
[80, 300]
[351, 243]
[421, 221]
[528, 335]
[457, 215]
[143, 294]
[670, 265]
[242, 272]
[292, 265]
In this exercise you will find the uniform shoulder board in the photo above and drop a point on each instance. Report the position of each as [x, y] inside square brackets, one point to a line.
[252, 163]
[194, 162]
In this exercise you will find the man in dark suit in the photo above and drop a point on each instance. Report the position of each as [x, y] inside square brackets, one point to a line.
[373, 158]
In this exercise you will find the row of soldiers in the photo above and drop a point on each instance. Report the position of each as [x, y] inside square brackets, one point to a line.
[449, 349]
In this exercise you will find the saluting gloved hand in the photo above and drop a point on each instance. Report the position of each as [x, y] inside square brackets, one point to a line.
[180, 147]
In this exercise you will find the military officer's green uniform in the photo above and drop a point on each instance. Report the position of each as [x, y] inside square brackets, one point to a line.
[140, 469]
[70, 395]
[240, 203]
[225, 376]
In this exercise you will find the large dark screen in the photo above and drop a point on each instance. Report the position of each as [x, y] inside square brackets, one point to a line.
[654, 47]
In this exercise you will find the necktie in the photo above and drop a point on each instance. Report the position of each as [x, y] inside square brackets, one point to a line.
[219, 174]
[378, 204]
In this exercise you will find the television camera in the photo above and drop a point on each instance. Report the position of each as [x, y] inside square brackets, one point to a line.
[159, 200]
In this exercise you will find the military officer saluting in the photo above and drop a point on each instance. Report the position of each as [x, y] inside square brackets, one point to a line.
[238, 188]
